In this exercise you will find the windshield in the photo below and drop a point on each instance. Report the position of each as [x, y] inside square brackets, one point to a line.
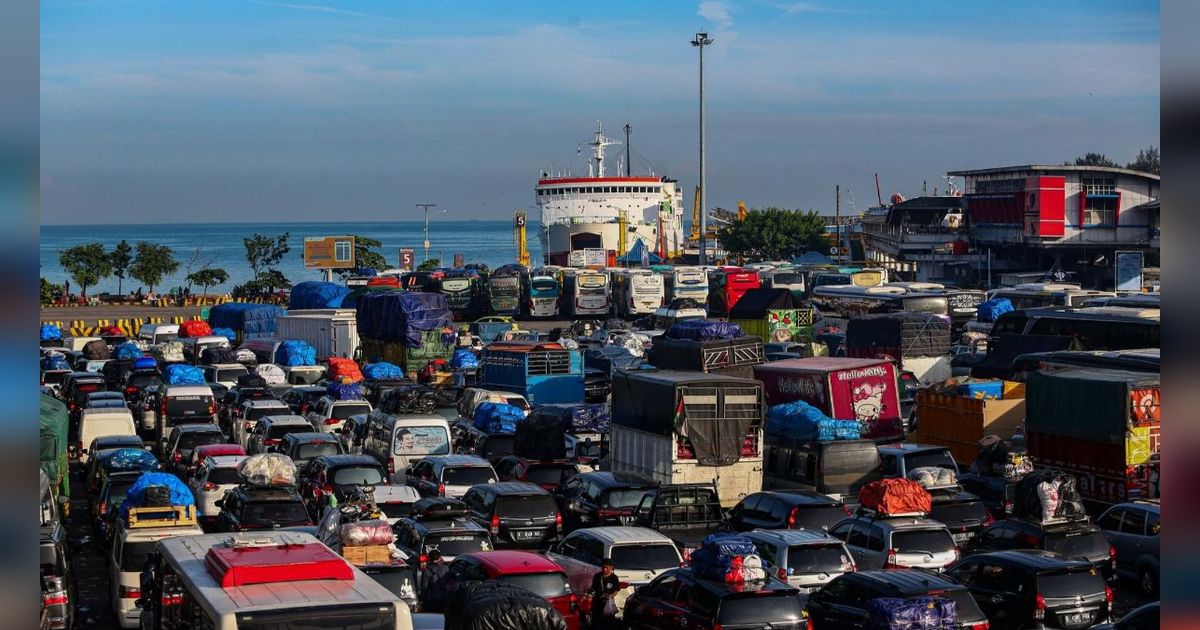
[192, 439]
[923, 541]
[373, 616]
[829, 558]
[341, 412]
[133, 554]
[932, 305]
[277, 431]
[550, 474]
[271, 513]
[358, 475]
[1071, 584]
[959, 514]
[313, 450]
[1085, 544]
[530, 506]
[230, 374]
[822, 517]
[188, 405]
[926, 459]
[224, 476]
[540, 584]
[458, 544]
[625, 497]
[780, 279]
[647, 557]
[429, 440]
[468, 476]
[753, 609]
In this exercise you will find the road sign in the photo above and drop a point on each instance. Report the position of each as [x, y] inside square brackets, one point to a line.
[407, 256]
[1129, 272]
[329, 252]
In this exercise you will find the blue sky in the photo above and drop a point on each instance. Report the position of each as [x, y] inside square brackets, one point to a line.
[249, 110]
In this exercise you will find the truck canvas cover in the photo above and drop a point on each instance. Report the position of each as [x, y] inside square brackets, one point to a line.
[714, 412]
[1091, 404]
[898, 335]
[1006, 348]
[400, 317]
[254, 320]
[316, 295]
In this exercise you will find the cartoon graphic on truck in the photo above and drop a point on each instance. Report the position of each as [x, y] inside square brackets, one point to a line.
[868, 402]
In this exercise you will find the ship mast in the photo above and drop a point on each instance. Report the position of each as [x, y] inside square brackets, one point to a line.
[596, 164]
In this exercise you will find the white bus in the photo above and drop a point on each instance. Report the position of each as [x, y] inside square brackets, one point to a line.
[585, 293]
[686, 282]
[637, 292]
[264, 581]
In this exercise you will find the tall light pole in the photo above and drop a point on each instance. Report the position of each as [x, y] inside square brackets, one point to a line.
[700, 42]
[426, 206]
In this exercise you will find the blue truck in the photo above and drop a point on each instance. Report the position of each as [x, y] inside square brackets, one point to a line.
[542, 372]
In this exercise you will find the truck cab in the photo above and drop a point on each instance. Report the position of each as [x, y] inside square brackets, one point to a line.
[685, 513]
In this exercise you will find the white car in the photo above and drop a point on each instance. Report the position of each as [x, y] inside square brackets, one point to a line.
[328, 414]
[224, 373]
[250, 413]
[216, 475]
[638, 555]
[131, 544]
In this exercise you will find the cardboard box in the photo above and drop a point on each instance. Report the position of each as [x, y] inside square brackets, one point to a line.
[373, 554]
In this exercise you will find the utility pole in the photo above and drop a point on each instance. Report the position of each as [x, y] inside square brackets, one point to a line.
[426, 206]
[627, 130]
[837, 215]
[700, 42]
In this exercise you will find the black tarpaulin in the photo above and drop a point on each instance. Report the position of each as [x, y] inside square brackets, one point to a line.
[755, 303]
[499, 606]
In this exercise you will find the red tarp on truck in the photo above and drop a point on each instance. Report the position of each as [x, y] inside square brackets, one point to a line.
[845, 389]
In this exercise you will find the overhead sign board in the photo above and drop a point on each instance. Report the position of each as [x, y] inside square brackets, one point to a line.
[1129, 272]
[329, 252]
[407, 256]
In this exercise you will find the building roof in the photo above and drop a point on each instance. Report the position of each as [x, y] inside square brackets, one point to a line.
[1051, 168]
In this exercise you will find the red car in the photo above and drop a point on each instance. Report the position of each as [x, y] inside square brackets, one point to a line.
[201, 453]
[526, 569]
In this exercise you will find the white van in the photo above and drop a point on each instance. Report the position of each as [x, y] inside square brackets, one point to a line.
[94, 423]
[263, 349]
[153, 334]
[398, 441]
[133, 541]
[224, 373]
[76, 344]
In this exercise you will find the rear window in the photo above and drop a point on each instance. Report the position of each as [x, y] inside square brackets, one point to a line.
[193, 439]
[256, 413]
[358, 475]
[1070, 584]
[780, 607]
[313, 450]
[1086, 544]
[923, 540]
[458, 544]
[968, 610]
[831, 558]
[133, 554]
[182, 406]
[533, 506]
[230, 374]
[116, 492]
[651, 557]
[277, 431]
[540, 584]
[822, 517]
[143, 380]
[395, 510]
[624, 497]
[926, 459]
[498, 445]
[223, 476]
[427, 440]
[550, 474]
[959, 514]
[269, 513]
[341, 412]
[304, 377]
[53, 378]
[467, 476]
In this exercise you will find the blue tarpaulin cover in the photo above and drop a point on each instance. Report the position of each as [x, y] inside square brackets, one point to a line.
[496, 417]
[183, 374]
[917, 613]
[55, 361]
[989, 310]
[256, 320]
[382, 371]
[464, 358]
[800, 421]
[704, 330]
[127, 350]
[714, 558]
[292, 353]
[345, 391]
[180, 494]
[315, 295]
[401, 316]
[50, 332]
[227, 333]
[145, 363]
[124, 459]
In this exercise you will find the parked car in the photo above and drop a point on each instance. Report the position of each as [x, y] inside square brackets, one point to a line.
[269, 431]
[1144, 617]
[638, 555]
[97, 422]
[300, 398]
[787, 509]
[843, 602]
[329, 480]
[961, 512]
[804, 558]
[181, 404]
[441, 524]
[130, 546]
[1020, 589]
[247, 415]
[224, 373]
[533, 572]
[549, 474]
[105, 400]
[602, 498]
[1076, 539]
[328, 413]
[101, 447]
[233, 405]
[449, 475]
[204, 451]
[107, 502]
[353, 433]
[305, 447]
[1132, 530]
[896, 542]
[899, 459]
[995, 492]
[680, 599]
[217, 475]
[248, 509]
[520, 515]
[185, 438]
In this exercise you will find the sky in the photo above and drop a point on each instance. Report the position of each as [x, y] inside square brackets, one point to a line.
[258, 110]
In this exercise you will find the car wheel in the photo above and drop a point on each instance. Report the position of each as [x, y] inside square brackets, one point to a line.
[1148, 581]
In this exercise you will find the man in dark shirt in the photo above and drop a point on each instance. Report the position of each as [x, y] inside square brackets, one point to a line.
[604, 586]
[433, 583]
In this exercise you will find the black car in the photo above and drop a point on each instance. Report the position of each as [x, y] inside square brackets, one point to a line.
[108, 502]
[519, 515]
[962, 512]
[184, 439]
[787, 509]
[330, 479]
[305, 447]
[231, 404]
[299, 399]
[843, 602]
[1144, 617]
[1018, 589]
[443, 524]
[996, 492]
[679, 599]
[602, 498]
[247, 508]
[1075, 539]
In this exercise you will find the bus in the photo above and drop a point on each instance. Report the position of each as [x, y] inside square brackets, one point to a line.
[585, 293]
[963, 303]
[1039, 294]
[637, 292]
[848, 276]
[1092, 328]
[789, 279]
[686, 282]
[421, 281]
[541, 372]
[727, 285]
[464, 294]
[845, 302]
[507, 290]
[260, 581]
[543, 296]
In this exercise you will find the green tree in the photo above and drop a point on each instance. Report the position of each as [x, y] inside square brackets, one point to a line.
[152, 263]
[366, 255]
[264, 252]
[49, 292]
[1094, 159]
[429, 264]
[1148, 161]
[121, 257]
[774, 234]
[86, 264]
[208, 277]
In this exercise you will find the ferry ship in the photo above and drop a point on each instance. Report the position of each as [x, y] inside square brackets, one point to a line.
[586, 213]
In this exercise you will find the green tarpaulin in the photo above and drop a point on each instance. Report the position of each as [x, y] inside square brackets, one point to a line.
[53, 442]
[1087, 403]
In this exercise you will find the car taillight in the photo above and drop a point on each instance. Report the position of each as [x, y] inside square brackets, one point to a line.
[171, 600]
[103, 507]
[1108, 595]
[957, 553]
[1112, 553]
[212, 408]
[177, 457]
[574, 603]
[130, 592]
[890, 563]
[329, 421]
[55, 598]
[1039, 607]
[988, 520]
[246, 426]
[421, 560]
[209, 486]
[846, 509]
[327, 488]
[131, 389]
[1008, 507]
[271, 441]
[558, 522]
[391, 468]
[441, 490]
[981, 625]
[792, 517]
[495, 524]
[782, 573]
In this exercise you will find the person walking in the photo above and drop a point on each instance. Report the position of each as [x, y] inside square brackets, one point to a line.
[433, 583]
[604, 588]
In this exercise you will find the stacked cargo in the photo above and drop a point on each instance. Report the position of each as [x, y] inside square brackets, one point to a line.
[1100, 425]
[707, 346]
[407, 329]
[333, 332]
[773, 315]
[918, 342]
[249, 321]
[960, 417]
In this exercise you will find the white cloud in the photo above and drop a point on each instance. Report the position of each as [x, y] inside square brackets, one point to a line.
[318, 8]
[717, 12]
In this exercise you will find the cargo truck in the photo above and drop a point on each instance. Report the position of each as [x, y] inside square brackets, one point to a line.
[1100, 425]
[332, 332]
[689, 427]
[959, 422]
[846, 389]
[541, 372]
[732, 357]
[432, 347]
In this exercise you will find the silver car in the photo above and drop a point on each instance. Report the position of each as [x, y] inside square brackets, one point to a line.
[807, 559]
[896, 542]
[215, 476]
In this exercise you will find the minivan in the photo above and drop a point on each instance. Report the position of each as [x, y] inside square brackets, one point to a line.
[398, 441]
[180, 404]
[153, 334]
[838, 469]
[520, 515]
[194, 347]
[94, 423]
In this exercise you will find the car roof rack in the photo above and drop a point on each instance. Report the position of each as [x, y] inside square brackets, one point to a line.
[166, 516]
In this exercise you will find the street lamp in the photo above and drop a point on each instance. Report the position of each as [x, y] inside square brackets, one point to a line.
[700, 42]
[427, 206]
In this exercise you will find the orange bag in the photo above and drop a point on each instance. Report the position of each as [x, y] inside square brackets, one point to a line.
[895, 496]
[195, 328]
[341, 370]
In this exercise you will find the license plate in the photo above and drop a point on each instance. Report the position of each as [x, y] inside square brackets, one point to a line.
[963, 537]
[1076, 619]
[527, 535]
[626, 520]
